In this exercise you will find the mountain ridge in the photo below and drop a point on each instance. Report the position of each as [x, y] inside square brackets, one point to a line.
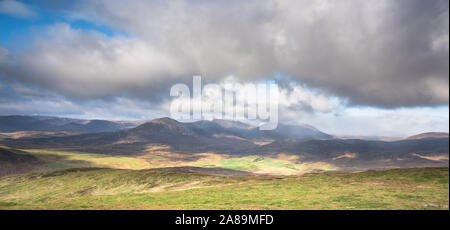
[15, 123]
[428, 135]
[306, 144]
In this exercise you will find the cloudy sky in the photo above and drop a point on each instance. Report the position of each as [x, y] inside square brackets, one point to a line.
[353, 67]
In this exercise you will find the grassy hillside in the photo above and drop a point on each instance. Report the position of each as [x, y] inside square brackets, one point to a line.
[14, 161]
[159, 157]
[92, 188]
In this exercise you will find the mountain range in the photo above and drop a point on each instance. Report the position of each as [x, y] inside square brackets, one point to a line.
[223, 137]
[16, 123]
[217, 135]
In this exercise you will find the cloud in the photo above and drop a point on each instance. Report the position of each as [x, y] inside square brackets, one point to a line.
[3, 56]
[378, 53]
[87, 64]
[298, 105]
[366, 121]
[327, 56]
[19, 99]
[381, 53]
[16, 9]
[294, 101]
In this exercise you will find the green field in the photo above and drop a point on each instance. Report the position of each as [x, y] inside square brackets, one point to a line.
[426, 188]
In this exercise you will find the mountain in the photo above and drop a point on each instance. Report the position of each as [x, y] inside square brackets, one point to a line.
[295, 132]
[232, 124]
[242, 130]
[182, 137]
[216, 127]
[222, 136]
[428, 136]
[17, 123]
[230, 137]
[94, 126]
[198, 136]
[31, 123]
[353, 153]
[306, 143]
[371, 138]
[366, 149]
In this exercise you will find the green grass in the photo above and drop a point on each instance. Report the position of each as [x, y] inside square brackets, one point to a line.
[280, 165]
[426, 188]
[64, 160]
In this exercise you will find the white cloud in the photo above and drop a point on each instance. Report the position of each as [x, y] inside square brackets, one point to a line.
[366, 121]
[294, 101]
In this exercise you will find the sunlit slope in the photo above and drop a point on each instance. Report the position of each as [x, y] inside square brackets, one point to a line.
[274, 164]
[280, 164]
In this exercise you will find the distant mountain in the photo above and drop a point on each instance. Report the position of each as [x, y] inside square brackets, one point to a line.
[191, 137]
[253, 133]
[31, 123]
[95, 126]
[57, 124]
[295, 132]
[371, 138]
[215, 127]
[354, 153]
[365, 149]
[202, 136]
[232, 124]
[230, 137]
[428, 136]
[183, 137]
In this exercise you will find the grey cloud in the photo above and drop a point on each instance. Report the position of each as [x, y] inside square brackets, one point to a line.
[16, 9]
[16, 98]
[379, 53]
[4, 56]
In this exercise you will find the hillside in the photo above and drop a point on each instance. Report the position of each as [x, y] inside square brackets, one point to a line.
[14, 161]
[352, 154]
[180, 189]
[428, 136]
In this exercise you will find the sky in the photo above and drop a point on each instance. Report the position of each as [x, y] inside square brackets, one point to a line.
[350, 67]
